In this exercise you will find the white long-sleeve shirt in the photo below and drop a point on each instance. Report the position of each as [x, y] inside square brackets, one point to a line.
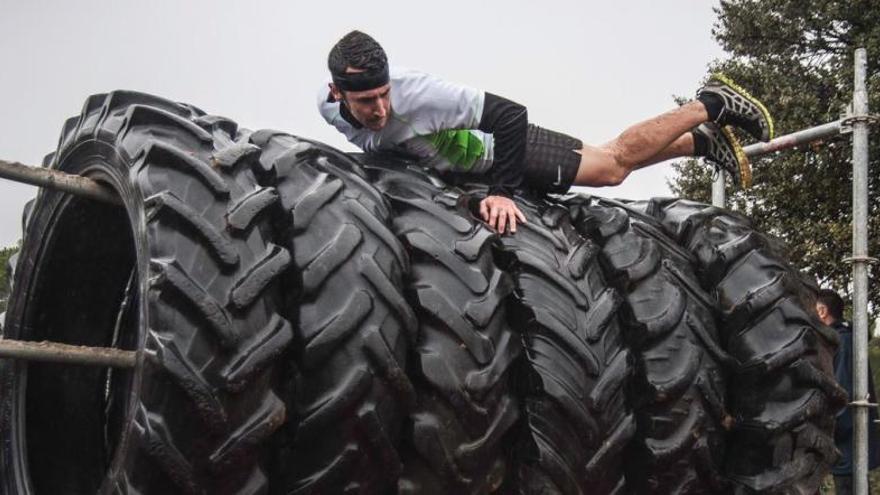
[430, 118]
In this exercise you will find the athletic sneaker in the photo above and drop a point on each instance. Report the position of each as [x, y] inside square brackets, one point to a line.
[739, 108]
[723, 149]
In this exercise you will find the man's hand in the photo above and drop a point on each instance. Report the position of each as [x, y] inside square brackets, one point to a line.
[500, 212]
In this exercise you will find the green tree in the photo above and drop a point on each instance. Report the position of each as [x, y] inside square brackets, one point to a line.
[797, 56]
[5, 253]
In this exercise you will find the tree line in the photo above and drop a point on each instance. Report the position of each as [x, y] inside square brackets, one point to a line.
[797, 57]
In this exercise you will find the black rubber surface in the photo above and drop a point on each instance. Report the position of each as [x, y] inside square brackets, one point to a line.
[195, 416]
[353, 325]
[273, 283]
[466, 347]
[573, 380]
[679, 388]
[782, 391]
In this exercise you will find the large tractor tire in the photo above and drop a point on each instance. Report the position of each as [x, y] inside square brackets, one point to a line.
[184, 273]
[782, 391]
[353, 325]
[678, 392]
[577, 422]
[466, 349]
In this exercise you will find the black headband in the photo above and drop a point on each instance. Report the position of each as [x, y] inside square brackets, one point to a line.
[361, 81]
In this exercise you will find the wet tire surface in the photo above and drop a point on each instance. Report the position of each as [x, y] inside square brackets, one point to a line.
[466, 347]
[353, 327]
[316, 322]
[782, 394]
[204, 402]
[679, 388]
[577, 368]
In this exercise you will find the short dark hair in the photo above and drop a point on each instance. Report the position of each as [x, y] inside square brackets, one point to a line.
[833, 302]
[358, 51]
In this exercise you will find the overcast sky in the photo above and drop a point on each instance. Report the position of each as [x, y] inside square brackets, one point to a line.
[581, 67]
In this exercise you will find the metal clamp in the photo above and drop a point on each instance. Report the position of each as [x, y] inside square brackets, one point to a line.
[861, 259]
[847, 122]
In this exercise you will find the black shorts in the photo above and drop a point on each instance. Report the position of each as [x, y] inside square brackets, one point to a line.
[551, 162]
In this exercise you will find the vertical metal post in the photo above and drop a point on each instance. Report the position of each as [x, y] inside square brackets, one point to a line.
[860, 273]
[718, 196]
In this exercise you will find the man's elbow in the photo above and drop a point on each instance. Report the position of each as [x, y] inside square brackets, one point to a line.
[517, 114]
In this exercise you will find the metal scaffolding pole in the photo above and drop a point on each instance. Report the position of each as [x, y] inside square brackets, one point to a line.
[858, 123]
[54, 352]
[788, 141]
[860, 261]
[719, 198]
[795, 139]
[55, 179]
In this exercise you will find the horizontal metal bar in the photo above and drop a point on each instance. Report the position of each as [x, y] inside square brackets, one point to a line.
[795, 139]
[65, 353]
[55, 179]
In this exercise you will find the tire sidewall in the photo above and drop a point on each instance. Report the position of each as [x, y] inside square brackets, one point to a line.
[101, 162]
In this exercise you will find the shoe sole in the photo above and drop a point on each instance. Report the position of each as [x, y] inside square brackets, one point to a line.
[742, 161]
[745, 94]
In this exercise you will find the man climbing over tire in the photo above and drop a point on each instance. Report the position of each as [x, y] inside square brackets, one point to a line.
[456, 128]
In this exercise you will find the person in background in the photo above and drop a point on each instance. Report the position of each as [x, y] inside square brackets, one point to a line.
[829, 307]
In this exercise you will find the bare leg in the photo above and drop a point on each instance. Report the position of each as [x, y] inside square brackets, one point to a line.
[660, 138]
[683, 146]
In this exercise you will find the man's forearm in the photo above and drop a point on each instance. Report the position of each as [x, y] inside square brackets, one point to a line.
[508, 122]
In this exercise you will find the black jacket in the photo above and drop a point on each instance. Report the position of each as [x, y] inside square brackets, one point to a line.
[843, 428]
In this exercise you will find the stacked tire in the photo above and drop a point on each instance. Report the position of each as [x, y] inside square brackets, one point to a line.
[465, 348]
[679, 391]
[182, 270]
[782, 389]
[348, 389]
[311, 322]
[577, 368]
